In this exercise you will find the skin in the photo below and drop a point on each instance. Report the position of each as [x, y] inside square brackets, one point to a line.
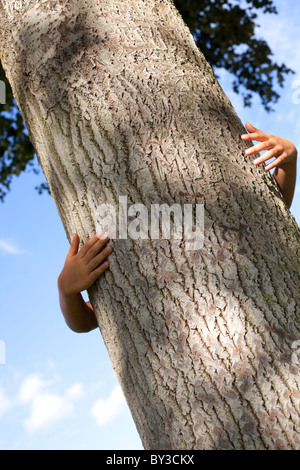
[82, 268]
[285, 163]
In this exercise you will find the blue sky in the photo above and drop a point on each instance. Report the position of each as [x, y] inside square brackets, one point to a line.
[57, 388]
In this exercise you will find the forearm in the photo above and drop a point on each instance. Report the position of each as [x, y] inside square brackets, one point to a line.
[78, 315]
[286, 180]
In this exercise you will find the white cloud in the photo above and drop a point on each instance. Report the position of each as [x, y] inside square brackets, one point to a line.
[106, 411]
[47, 407]
[30, 388]
[10, 248]
[74, 392]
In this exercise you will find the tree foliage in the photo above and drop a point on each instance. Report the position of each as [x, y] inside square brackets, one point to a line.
[225, 33]
[16, 150]
[224, 30]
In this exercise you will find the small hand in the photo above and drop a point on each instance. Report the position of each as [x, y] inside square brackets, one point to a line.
[281, 149]
[81, 269]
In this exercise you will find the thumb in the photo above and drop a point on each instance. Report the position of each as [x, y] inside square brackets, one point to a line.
[74, 246]
[250, 128]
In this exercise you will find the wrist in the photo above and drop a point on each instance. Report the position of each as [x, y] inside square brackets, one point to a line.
[63, 290]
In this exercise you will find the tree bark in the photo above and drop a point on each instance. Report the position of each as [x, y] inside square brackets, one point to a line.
[118, 101]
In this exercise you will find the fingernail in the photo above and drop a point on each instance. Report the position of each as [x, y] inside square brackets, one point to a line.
[255, 161]
[102, 236]
[247, 151]
[244, 136]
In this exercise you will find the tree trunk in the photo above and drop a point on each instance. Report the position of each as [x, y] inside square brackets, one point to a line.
[118, 101]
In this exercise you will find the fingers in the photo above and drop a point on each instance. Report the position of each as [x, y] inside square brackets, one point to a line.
[94, 263]
[268, 143]
[260, 137]
[259, 148]
[255, 134]
[89, 244]
[276, 152]
[95, 248]
[273, 164]
[251, 128]
[99, 271]
[74, 246]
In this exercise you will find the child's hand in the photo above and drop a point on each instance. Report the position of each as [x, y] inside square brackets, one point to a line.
[81, 269]
[283, 150]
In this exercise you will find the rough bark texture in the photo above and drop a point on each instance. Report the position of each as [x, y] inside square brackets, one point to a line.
[118, 101]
